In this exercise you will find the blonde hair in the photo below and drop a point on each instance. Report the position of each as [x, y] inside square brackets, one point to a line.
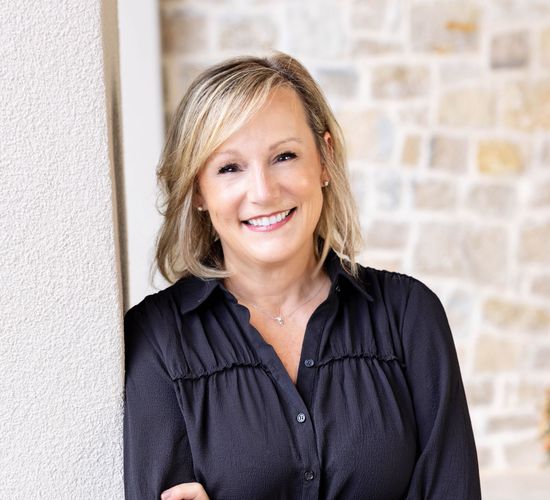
[216, 105]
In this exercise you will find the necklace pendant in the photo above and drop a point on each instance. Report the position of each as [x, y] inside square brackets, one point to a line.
[279, 320]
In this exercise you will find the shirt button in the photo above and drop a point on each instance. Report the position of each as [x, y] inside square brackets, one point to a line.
[309, 475]
[301, 418]
[309, 363]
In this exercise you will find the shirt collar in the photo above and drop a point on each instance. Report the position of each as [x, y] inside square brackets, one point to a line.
[193, 291]
[339, 274]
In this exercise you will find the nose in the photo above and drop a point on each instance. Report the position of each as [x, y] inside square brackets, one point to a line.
[262, 186]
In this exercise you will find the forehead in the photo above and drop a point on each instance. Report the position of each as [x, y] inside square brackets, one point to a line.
[283, 100]
[281, 115]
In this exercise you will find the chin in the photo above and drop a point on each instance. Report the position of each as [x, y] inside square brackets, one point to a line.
[275, 252]
[271, 257]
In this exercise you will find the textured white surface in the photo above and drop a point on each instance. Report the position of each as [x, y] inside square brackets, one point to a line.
[61, 371]
[143, 137]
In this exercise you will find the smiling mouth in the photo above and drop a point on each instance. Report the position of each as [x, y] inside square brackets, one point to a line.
[271, 221]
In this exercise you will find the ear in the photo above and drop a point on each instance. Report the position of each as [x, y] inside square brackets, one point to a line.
[198, 199]
[328, 141]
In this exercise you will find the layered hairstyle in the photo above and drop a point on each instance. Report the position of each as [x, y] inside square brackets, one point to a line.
[216, 105]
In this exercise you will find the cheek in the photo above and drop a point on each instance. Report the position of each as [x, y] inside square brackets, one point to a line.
[223, 207]
[217, 196]
[313, 205]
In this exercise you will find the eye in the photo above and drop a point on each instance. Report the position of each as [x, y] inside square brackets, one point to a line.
[287, 155]
[230, 167]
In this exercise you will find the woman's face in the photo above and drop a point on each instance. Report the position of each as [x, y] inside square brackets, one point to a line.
[262, 187]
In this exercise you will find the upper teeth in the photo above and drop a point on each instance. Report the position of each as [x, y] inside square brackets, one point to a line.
[267, 221]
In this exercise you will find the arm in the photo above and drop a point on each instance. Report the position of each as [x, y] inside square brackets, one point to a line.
[447, 463]
[156, 449]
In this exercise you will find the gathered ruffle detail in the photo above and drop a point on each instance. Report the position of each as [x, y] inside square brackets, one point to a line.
[219, 369]
[388, 358]
[366, 355]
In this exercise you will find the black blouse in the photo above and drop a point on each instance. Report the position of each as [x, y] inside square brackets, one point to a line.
[378, 411]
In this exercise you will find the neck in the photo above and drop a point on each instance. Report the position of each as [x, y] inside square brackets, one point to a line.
[275, 287]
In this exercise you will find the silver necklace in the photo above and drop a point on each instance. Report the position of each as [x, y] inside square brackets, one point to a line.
[279, 318]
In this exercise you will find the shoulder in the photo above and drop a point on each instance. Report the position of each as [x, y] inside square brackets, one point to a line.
[383, 284]
[156, 322]
[173, 300]
[404, 298]
[151, 308]
[416, 318]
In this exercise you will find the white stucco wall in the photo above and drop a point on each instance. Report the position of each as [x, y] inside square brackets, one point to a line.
[61, 370]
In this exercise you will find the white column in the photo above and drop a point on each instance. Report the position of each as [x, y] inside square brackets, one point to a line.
[143, 135]
[61, 349]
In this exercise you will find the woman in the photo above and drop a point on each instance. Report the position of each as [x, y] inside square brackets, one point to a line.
[275, 366]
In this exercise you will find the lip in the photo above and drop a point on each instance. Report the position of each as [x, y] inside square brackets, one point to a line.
[270, 227]
[267, 215]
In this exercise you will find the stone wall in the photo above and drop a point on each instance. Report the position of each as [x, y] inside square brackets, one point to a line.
[446, 110]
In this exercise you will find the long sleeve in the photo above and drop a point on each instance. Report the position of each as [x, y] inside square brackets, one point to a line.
[447, 464]
[156, 447]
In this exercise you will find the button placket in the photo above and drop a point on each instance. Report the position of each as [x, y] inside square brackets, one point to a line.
[304, 428]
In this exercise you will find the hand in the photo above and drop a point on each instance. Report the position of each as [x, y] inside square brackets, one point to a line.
[185, 491]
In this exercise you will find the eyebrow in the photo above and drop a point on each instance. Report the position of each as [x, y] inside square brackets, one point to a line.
[290, 139]
[271, 148]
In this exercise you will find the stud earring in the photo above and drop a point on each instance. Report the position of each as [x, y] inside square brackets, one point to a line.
[325, 184]
[200, 209]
